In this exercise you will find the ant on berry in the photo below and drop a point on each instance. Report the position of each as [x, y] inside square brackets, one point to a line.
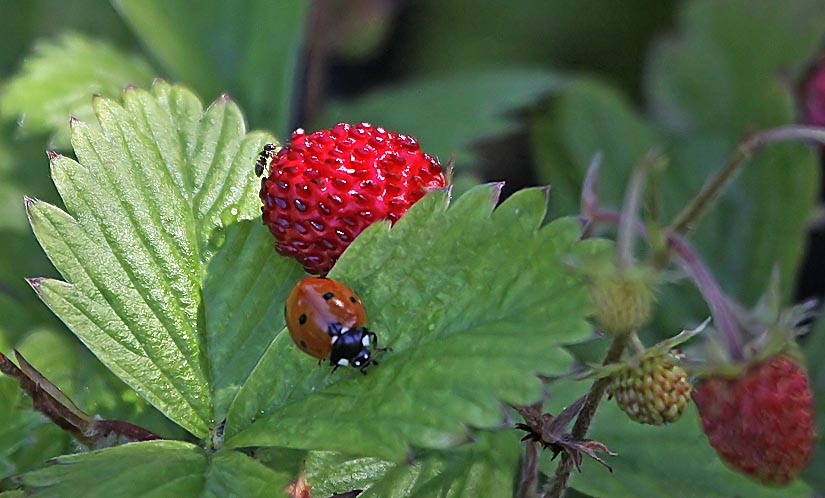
[263, 157]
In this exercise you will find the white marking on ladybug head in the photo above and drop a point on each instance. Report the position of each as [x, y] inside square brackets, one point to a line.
[343, 362]
[334, 339]
[365, 341]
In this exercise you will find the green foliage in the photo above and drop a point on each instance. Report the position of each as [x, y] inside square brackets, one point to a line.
[485, 468]
[181, 298]
[706, 92]
[155, 469]
[589, 118]
[148, 194]
[465, 35]
[248, 48]
[448, 113]
[665, 461]
[168, 278]
[244, 291]
[13, 427]
[416, 280]
[60, 78]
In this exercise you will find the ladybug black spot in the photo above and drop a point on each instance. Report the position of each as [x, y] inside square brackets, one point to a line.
[353, 299]
[328, 296]
[303, 344]
[302, 319]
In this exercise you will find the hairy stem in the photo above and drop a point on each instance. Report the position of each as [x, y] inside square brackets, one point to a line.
[723, 316]
[637, 344]
[686, 220]
[528, 483]
[632, 201]
[558, 484]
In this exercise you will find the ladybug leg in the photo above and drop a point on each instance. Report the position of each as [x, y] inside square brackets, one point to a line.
[374, 340]
[363, 368]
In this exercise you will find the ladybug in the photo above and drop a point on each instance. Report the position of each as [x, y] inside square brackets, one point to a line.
[325, 319]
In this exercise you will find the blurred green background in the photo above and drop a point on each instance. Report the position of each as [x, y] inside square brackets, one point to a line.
[525, 91]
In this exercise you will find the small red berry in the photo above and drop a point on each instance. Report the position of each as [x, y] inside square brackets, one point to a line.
[762, 421]
[325, 188]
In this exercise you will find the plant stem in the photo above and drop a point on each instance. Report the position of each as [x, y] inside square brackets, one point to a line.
[722, 314]
[558, 485]
[529, 471]
[638, 345]
[685, 221]
[632, 200]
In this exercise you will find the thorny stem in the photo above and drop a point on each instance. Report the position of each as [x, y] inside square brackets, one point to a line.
[686, 220]
[559, 483]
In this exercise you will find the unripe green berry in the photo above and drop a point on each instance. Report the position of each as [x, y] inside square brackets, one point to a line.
[623, 301]
[655, 392]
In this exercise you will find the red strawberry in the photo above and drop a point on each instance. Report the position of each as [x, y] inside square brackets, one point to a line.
[325, 188]
[762, 421]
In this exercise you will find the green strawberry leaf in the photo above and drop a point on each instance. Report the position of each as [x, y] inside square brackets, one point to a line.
[146, 204]
[245, 287]
[474, 303]
[448, 113]
[247, 48]
[60, 79]
[485, 468]
[154, 469]
[717, 77]
[660, 461]
[590, 118]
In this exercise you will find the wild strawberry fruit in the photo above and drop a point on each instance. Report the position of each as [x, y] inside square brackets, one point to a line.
[761, 422]
[623, 299]
[325, 188]
[655, 392]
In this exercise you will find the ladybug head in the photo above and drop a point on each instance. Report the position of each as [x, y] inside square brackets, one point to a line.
[353, 348]
[363, 359]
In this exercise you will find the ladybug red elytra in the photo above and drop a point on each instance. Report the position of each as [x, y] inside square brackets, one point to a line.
[325, 318]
